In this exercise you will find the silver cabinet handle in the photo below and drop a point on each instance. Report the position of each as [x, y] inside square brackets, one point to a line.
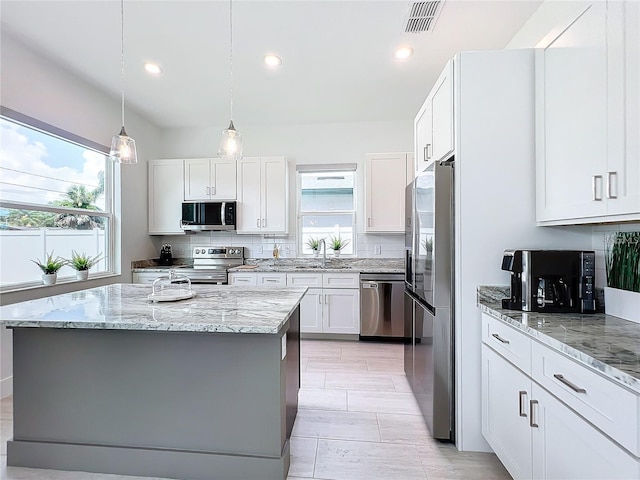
[270, 280]
[223, 209]
[326, 299]
[424, 153]
[569, 384]
[521, 395]
[213, 190]
[532, 423]
[611, 191]
[264, 222]
[258, 223]
[427, 149]
[594, 187]
[369, 222]
[498, 337]
[208, 191]
[320, 299]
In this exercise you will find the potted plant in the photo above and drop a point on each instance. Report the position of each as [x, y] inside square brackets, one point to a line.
[314, 245]
[81, 263]
[622, 261]
[50, 268]
[337, 244]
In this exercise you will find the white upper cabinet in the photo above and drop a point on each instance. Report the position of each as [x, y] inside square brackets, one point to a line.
[263, 193]
[209, 179]
[385, 182]
[587, 118]
[433, 124]
[165, 197]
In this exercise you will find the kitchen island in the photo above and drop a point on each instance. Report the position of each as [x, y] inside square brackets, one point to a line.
[203, 388]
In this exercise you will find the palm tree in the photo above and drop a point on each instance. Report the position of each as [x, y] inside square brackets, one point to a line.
[78, 197]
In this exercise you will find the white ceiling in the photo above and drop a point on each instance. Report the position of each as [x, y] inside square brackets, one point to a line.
[338, 63]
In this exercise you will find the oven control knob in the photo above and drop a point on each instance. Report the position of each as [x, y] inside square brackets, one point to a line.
[197, 251]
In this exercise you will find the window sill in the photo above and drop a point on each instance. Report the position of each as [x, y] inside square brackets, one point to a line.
[24, 287]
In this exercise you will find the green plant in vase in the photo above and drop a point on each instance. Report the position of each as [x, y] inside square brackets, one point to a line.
[622, 262]
[314, 244]
[50, 268]
[81, 263]
[337, 244]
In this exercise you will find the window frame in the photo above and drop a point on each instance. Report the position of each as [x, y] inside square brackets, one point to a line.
[111, 180]
[346, 168]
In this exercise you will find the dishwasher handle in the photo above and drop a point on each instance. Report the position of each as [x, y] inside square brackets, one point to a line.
[372, 285]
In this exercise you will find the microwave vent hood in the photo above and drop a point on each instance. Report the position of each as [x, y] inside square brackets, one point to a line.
[208, 216]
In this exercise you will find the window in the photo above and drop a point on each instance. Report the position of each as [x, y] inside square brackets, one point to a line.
[326, 207]
[56, 195]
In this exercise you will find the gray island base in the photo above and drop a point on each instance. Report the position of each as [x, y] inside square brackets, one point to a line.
[182, 397]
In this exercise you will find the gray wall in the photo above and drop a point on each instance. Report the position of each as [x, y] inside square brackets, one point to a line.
[34, 86]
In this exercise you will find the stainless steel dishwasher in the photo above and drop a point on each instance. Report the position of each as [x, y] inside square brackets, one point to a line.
[382, 306]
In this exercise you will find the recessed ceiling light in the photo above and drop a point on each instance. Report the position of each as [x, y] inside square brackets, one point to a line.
[403, 53]
[152, 68]
[272, 60]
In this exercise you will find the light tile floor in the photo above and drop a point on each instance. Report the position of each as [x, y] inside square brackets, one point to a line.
[357, 419]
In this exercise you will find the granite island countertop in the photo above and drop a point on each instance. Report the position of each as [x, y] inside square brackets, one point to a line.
[214, 308]
[606, 343]
[290, 265]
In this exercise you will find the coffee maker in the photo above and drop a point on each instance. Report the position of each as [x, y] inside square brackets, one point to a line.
[166, 258]
[553, 281]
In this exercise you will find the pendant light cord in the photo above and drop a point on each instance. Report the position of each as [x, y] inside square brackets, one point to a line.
[231, 57]
[122, 53]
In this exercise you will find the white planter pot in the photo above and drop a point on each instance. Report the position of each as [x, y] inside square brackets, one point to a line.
[49, 278]
[336, 253]
[316, 253]
[82, 274]
[622, 303]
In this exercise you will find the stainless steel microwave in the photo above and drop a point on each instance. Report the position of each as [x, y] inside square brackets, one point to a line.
[208, 216]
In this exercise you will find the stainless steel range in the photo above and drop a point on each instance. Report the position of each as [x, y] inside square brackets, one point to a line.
[210, 264]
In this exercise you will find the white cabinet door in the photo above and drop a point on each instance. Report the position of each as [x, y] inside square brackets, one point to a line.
[263, 193]
[311, 308]
[571, 125]
[442, 114]
[223, 179]
[566, 447]
[197, 179]
[275, 192]
[248, 213]
[506, 392]
[385, 183]
[423, 136]
[165, 197]
[341, 311]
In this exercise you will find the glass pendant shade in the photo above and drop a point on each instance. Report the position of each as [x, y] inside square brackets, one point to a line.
[230, 143]
[123, 148]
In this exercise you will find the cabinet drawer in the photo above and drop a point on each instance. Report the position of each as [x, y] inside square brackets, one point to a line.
[513, 345]
[243, 279]
[304, 280]
[341, 280]
[267, 279]
[608, 406]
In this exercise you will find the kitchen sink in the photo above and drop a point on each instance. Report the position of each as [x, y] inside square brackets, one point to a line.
[326, 267]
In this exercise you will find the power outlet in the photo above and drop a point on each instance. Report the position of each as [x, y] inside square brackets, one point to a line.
[378, 250]
[259, 249]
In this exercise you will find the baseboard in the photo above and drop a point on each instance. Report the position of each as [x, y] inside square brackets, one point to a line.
[6, 387]
[330, 336]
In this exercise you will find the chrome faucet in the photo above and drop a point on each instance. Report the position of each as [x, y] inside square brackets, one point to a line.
[324, 251]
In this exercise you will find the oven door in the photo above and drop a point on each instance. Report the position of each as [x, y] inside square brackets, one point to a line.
[216, 277]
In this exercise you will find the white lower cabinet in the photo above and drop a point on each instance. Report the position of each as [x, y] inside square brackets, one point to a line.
[249, 279]
[534, 433]
[328, 310]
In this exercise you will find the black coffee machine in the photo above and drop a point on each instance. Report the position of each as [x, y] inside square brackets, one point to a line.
[552, 281]
[165, 255]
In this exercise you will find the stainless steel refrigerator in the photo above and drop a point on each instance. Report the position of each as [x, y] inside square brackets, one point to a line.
[429, 312]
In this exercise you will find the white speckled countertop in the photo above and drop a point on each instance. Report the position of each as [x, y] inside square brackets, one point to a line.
[214, 308]
[608, 344]
[291, 265]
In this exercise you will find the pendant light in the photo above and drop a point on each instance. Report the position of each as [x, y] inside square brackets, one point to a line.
[123, 147]
[231, 141]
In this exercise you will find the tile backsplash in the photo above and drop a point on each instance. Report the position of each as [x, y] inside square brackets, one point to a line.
[259, 246]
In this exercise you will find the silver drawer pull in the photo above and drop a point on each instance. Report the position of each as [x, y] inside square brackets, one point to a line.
[594, 187]
[532, 423]
[572, 386]
[521, 395]
[499, 338]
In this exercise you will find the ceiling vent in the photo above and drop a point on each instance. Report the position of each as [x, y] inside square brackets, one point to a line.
[422, 16]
